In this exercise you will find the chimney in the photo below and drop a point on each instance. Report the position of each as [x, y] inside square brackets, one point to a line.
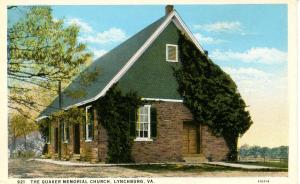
[169, 9]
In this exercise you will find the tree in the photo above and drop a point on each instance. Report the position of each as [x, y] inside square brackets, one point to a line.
[254, 151]
[264, 152]
[244, 150]
[211, 95]
[20, 127]
[283, 152]
[41, 52]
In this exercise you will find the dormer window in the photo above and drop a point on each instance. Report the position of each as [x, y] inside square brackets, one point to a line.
[172, 53]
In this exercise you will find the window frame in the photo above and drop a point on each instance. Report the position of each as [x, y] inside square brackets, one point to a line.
[167, 53]
[87, 124]
[65, 128]
[148, 138]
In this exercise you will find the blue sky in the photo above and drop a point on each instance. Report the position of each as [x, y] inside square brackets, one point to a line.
[248, 41]
[248, 26]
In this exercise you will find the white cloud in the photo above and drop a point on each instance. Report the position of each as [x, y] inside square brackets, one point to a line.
[242, 74]
[111, 35]
[253, 82]
[221, 27]
[85, 27]
[206, 39]
[265, 94]
[262, 55]
[98, 52]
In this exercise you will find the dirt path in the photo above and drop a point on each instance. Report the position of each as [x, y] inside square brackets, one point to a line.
[32, 169]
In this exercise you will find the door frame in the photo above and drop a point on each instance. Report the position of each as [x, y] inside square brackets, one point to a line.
[198, 134]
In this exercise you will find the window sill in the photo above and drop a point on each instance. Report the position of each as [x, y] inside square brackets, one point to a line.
[66, 142]
[88, 140]
[172, 61]
[142, 139]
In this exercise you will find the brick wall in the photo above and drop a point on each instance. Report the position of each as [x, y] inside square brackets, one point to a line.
[213, 147]
[166, 147]
[102, 144]
[88, 150]
[168, 144]
[51, 145]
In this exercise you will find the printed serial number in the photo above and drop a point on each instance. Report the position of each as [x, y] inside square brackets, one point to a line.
[263, 181]
[21, 181]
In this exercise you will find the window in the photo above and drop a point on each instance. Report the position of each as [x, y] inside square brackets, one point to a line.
[66, 133]
[89, 123]
[172, 53]
[143, 123]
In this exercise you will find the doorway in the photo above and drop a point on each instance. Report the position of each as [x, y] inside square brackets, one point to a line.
[56, 140]
[76, 139]
[191, 138]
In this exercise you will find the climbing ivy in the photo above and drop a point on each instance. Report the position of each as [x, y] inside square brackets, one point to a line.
[211, 95]
[113, 113]
[71, 116]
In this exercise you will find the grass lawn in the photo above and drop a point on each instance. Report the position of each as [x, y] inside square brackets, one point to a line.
[193, 168]
[283, 165]
[178, 167]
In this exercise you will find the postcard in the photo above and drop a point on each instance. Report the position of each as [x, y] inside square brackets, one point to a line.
[124, 92]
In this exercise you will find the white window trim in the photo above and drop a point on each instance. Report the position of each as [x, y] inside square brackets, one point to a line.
[87, 139]
[139, 139]
[169, 60]
[65, 133]
[149, 127]
[162, 99]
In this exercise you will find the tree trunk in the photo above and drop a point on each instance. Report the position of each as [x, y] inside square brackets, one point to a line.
[25, 142]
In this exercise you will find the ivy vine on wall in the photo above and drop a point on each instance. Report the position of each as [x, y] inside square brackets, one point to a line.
[71, 116]
[211, 95]
[113, 111]
[74, 115]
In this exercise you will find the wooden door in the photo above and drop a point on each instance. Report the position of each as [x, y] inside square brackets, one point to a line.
[190, 138]
[56, 140]
[76, 139]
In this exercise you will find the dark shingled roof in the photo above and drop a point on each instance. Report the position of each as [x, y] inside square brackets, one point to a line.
[109, 64]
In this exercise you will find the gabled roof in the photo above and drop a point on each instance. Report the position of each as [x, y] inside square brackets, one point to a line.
[116, 63]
